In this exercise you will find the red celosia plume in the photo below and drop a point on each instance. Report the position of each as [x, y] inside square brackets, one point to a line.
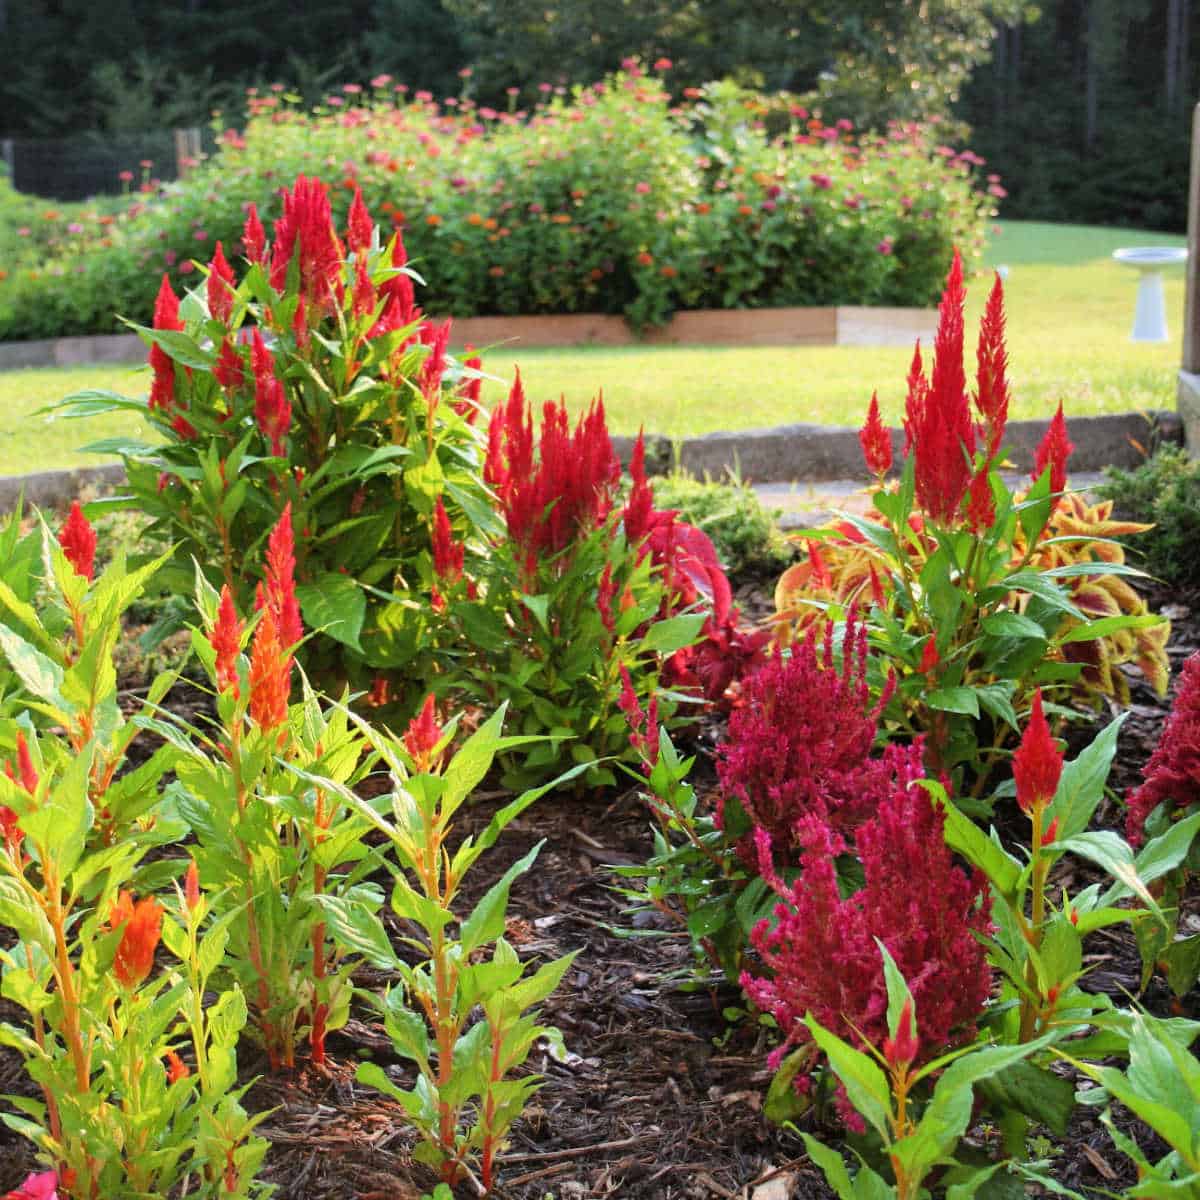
[800, 745]
[166, 316]
[937, 419]
[422, 736]
[1038, 762]
[447, 553]
[272, 408]
[281, 580]
[78, 541]
[221, 286]
[929, 913]
[991, 383]
[552, 492]
[360, 225]
[254, 236]
[876, 440]
[1053, 452]
[305, 232]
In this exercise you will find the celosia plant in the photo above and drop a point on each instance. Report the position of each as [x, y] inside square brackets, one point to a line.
[120, 1112]
[821, 950]
[310, 379]
[465, 1013]
[799, 743]
[581, 597]
[979, 595]
[271, 846]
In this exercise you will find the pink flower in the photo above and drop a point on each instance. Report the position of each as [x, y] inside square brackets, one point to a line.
[821, 180]
[42, 1186]
[1173, 772]
[928, 913]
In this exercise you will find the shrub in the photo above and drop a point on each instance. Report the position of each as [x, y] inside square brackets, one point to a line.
[595, 202]
[1163, 492]
[743, 532]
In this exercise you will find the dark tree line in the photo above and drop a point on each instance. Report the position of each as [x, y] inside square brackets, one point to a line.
[1082, 105]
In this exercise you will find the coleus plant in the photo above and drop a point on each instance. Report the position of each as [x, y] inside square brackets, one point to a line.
[120, 1111]
[309, 379]
[978, 595]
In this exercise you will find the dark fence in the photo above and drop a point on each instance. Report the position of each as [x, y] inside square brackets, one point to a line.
[91, 164]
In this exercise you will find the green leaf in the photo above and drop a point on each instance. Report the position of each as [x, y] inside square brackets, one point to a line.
[178, 346]
[1034, 1091]
[897, 991]
[965, 837]
[954, 699]
[1012, 624]
[335, 604]
[359, 930]
[665, 637]
[865, 1084]
[783, 1102]
[1104, 626]
[1108, 850]
[486, 922]
[833, 1166]
[42, 676]
[1081, 785]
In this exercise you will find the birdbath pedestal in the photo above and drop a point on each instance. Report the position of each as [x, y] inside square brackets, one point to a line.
[1150, 315]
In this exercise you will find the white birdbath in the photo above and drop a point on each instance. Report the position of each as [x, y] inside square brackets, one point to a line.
[1150, 315]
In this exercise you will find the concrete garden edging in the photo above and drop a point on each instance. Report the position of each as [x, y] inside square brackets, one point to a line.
[809, 454]
[841, 326]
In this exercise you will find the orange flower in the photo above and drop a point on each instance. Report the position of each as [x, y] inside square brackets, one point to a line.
[433, 219]
[177, 1069]
[496, 272]
[143, 928]
[270, 674]
[490, 223]
[474, 219]
[668, 272]
[645, 258]
[225, 639]
[703, 207]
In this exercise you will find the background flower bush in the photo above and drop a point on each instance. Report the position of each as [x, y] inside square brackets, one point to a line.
[615, 199]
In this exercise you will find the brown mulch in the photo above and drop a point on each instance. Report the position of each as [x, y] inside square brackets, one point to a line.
[660, 1096]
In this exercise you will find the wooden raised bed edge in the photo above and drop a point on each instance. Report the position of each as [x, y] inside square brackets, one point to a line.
[841, 326]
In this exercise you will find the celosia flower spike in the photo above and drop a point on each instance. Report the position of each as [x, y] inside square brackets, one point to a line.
[306, 230]
[1173, 772]
[468, 404]
[900, 1052]
[991, 384]
[272, 408]
[78, 541]
[191, 886]
[422, 736]
[447, 553]
[177, 1069]
[281, 579]
[360, 226]
[221, 286]
[437, 338]
[166, 317]
[142, 928]
[270, 674]
[254, 236]
[226, 641]
[937, 418]
[876, 440]
[230, 370]
[1053, 452]
[26, 771]
[1038, 762]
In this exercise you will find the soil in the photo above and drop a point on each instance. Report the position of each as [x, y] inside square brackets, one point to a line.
[660, 1096]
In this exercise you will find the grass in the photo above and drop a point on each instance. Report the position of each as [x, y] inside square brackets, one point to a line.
[1070, 309]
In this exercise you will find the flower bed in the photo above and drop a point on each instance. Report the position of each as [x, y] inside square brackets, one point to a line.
[316, 887]
[618, 199]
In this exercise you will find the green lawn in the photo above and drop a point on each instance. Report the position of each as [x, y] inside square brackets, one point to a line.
[1070, 308]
